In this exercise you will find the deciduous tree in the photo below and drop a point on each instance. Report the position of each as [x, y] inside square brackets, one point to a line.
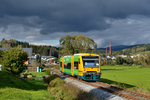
[13, 60]
[72, 44]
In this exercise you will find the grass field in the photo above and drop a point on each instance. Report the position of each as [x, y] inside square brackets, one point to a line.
[13, 88]
[131, 77]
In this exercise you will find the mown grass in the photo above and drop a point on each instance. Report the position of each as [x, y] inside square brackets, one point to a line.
[131, 77]
[39, 74]
[14, 88]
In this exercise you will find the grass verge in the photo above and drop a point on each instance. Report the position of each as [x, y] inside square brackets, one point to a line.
[14, 88]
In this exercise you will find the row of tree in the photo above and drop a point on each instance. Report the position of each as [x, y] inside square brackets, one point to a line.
[136, 49]
[118, 61]
[42, 50]
[143, 61]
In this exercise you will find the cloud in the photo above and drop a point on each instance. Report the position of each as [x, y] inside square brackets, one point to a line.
[129, 31]
[43, 43]
[119, 21]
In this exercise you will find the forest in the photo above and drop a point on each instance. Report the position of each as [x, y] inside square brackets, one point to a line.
[42, 50]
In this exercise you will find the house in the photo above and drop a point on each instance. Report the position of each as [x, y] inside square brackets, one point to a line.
[110, 57]
[123, 56]
[50, 59]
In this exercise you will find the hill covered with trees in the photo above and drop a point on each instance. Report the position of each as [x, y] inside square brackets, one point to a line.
[42, 50]
[125, 49]
[141, 49]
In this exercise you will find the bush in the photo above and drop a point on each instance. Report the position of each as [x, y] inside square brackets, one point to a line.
[120, 61]
[145, 61]
[110, 62]
[65, 91]
[50, 78]
[13, 60]
[56, 82]
[103, 61]
[48, 72]
[128, 61]
[54, 88]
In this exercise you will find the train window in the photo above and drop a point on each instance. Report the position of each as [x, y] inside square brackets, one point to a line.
[69, 66]
[65, 65]
[90, 61]
[60, 64]
[75, 65]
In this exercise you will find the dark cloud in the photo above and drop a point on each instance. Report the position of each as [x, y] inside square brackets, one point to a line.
[48, 17]
[72, 15]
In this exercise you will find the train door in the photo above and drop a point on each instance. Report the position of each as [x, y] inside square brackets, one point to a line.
[63, 64]
[72, 65]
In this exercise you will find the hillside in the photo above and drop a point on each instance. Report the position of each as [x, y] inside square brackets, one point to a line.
[143, 48]
[125, 49]
[42, 50]
[13, 88]
[120, 47]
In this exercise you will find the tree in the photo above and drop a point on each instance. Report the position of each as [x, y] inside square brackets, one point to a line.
[145, 61]
[72, 44]
[120, 61]
[38, 58]
[13, 60]
[1, 53]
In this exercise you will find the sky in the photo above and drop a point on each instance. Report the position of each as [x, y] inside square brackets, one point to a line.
[44, 22]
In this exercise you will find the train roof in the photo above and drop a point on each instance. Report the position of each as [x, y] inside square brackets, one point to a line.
[81, 54]
[67, 59]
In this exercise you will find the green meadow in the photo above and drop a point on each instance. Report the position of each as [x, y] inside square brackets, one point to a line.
[14, 88]
[130, 77]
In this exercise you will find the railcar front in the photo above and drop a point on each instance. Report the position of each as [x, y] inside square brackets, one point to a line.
[90, 67]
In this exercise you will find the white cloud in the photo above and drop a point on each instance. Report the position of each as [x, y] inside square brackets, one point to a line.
[47, 44]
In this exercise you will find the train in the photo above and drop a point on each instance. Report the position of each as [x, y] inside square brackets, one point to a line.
[84, 66]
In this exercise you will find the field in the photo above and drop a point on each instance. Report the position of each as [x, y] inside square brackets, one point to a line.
[130, 77]
[13, 88]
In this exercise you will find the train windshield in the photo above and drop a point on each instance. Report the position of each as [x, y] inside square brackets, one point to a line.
[90, 61]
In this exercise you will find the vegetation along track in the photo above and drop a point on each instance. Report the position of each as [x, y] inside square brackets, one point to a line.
[113, 89]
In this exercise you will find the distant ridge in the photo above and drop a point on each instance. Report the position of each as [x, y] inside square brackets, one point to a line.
[120, 47]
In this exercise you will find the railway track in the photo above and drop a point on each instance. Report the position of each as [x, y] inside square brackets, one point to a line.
[131, 95]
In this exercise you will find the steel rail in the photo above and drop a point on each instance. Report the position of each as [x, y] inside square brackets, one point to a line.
[125, 90]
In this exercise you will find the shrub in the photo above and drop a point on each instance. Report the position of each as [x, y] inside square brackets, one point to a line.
[65, 91]
[54, 88]
[120, 61]
[56, 82]
[145, 61]
[50, 78]
[128, 61]
[110, 62]
[48, 72]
